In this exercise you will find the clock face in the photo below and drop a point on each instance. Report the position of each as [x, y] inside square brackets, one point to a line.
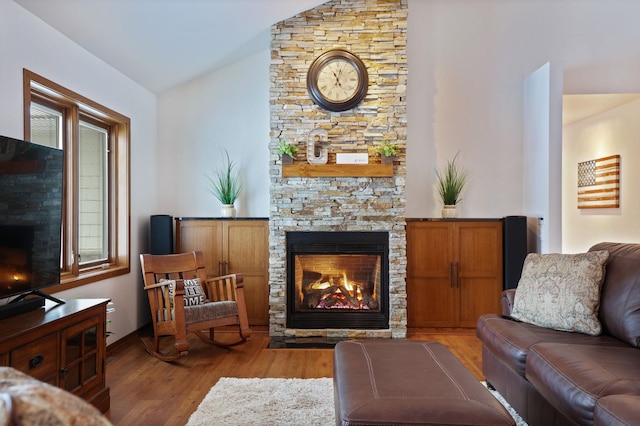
[337, 80]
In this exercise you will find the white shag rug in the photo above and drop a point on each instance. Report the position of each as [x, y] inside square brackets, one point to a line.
[261, 402]
[505, 404]
[267, 402]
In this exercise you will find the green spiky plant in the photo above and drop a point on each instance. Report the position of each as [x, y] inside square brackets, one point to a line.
[225, 182]
[451, 182]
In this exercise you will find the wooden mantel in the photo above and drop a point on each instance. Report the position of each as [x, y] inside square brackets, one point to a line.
[337, 170]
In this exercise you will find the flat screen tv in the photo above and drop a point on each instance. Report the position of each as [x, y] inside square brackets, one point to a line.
[31, 200]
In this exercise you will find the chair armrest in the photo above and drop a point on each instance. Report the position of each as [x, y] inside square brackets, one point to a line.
[160, 284]
[168, 319]
[506, 301]
[161, 292]
[178, 294]
[230, 287]
[179, 321]
[224, 287]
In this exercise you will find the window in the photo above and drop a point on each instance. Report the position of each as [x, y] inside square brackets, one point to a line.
[95, 140]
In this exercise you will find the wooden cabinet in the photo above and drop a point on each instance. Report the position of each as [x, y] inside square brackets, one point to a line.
[233, 246]
[63, 345]
[454, 271]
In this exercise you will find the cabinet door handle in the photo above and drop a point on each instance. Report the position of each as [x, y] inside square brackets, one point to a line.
[457, 275]
[226, 267]
[36, 361]
[220, 268]
[451, 274]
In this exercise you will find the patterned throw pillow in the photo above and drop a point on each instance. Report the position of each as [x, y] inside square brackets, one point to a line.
[27, 401]
[561, 291]
[193, 292]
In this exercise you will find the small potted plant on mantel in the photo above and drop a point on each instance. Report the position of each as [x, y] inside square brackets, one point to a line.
[287, 151]
[451, 182]
[226, 186]
[387, 151]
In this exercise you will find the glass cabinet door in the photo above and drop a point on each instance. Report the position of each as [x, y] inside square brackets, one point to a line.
[80, 354]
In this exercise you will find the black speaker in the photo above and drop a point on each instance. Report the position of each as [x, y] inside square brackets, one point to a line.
[514, 246]
[161, 234]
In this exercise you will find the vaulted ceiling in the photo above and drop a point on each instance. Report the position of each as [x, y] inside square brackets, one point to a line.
[163, 43]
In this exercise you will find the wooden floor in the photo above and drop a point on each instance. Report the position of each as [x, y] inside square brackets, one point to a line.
[146, 391]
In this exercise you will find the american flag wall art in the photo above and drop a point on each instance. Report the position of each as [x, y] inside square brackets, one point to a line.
[599, 183]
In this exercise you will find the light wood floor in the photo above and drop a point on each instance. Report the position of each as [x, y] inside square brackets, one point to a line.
[146, 391]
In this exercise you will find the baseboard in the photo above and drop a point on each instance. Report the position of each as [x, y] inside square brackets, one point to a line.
[129, 339]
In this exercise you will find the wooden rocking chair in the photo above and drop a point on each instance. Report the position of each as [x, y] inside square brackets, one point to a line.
[164, 282]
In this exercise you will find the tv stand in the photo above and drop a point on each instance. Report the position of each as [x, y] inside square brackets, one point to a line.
[63, 345]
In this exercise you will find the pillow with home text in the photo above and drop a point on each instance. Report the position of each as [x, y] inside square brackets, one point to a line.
[193, 292]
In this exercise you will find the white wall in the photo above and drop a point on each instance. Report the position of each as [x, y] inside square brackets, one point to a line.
[467, 62]
[616, 131]
[28, 43]
[542, 155]
[227, 109]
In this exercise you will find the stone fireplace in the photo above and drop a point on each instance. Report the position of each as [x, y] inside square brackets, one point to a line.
[347, 202]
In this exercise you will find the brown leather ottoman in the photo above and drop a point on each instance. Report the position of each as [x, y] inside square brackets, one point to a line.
[394, 382]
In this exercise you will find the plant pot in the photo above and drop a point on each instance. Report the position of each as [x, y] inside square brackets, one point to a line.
[449, 212]
[287, 159]
[228, 210]
[387, 159]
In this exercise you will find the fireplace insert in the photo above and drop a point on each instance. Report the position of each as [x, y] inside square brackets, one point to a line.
[338, 280]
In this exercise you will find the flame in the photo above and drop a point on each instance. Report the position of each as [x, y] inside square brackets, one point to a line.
[347, 284]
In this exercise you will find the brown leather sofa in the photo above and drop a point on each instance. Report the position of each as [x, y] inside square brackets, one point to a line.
[560, 378]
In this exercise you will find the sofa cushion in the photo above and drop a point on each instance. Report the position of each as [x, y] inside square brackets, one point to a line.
[617, 410]
[509, 340]
[561, 291]
[210, 311]
[573, 377]
[620, 301]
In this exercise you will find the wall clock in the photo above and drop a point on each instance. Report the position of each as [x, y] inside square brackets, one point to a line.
[337, 80]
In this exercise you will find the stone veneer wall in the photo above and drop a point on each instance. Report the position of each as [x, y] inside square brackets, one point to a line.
[374, 30]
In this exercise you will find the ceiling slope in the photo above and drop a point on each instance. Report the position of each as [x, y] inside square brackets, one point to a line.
[163, 43]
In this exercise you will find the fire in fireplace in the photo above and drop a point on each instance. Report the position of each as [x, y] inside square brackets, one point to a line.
[337, 280]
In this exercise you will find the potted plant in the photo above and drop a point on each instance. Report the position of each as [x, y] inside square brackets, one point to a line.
[387, 151]
[451, 182]
[226, 186]
[287, 151]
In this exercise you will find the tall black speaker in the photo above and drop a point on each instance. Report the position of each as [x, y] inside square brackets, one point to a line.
[514, 245]
[161, 234]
